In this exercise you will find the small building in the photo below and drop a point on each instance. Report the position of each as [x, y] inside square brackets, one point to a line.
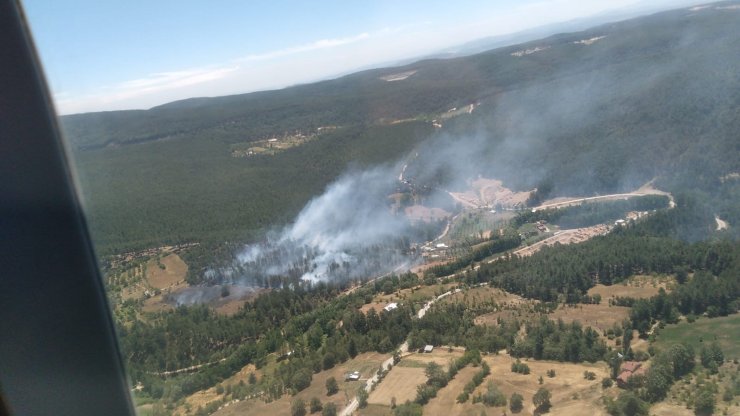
[428, 348]
[391, 306]
[629, 369]
[631, 366]
[353, 376]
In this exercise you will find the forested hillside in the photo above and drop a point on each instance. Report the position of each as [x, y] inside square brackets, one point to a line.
[651, 97]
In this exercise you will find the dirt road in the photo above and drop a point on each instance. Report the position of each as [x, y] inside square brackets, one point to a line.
[646, 189]
[388, 364]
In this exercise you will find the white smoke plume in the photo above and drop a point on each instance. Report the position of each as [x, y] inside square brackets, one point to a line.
[348, 232]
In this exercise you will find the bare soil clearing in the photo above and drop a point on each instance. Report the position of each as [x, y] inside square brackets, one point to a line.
[488, 193]
[493, 191]
[571, 236]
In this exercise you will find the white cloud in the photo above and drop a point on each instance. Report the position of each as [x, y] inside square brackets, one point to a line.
[169, 80]
[319, 44]
[112, 96]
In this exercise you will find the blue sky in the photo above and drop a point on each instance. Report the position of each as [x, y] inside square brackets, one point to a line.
[109, 55]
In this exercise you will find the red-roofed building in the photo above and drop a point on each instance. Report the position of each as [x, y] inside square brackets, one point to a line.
[629, 369]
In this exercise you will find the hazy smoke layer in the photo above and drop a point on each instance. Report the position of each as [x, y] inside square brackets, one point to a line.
[346, 233]
[593, 123]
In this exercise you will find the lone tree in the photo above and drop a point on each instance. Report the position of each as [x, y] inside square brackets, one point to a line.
[362, 396]
[436, 376]
[298, 408]
[516, 403]
[705, 402]
[331, 386]
[329, 410]
[541, 400]
[315, 405]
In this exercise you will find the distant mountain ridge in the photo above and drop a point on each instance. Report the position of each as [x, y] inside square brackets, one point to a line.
[595, 111]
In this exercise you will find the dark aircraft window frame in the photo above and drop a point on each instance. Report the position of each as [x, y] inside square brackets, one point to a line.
[58, 349]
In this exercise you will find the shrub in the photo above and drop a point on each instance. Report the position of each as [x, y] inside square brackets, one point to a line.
[541, 400]
[516, 403]
[520, 367]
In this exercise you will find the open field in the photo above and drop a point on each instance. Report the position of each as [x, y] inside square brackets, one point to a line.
[482, 294]
[446, 401]
[378, 306]
[418, 294]
[440, 355]
[572, 394]
[400, 383]
[376, 410]
[422, 213]
[638, 287]
[723, 330]
[203, 397]
[522, 311]
[600, 316]
[233, 303]
[567, 384]
[366, 364]
[171, 272]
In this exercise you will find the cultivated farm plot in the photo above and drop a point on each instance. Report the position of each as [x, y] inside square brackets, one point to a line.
[400, 383]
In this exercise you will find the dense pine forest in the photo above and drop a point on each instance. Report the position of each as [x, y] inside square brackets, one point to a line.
[652, 100]
[648, 100]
